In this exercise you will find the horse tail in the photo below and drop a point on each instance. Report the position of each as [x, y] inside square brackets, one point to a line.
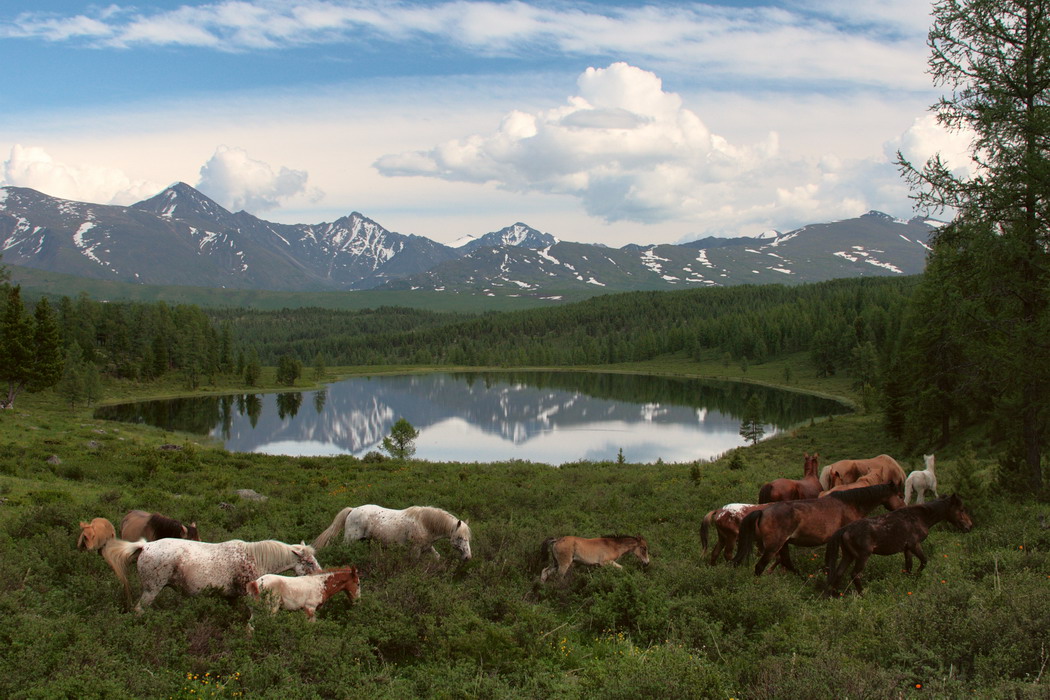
[338, 524]
[705, 525]
[765, 494]
[746, 539]
[118, 554]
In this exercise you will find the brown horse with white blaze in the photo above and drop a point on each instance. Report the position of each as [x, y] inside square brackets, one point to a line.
[807, 523]
[794, 489]
[596, 551]
[903, 530]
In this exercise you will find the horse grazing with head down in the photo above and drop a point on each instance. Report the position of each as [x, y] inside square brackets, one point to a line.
[794, 489]
[875, 470]
[919, 482]
[596, 551]
[196, 566]
[94, 535]
[138, 524]
[726, 521]
[306, 593]
[903, 530]
[419, 526]
[807, 523]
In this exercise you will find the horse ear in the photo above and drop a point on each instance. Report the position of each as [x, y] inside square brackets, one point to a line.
[84, 525]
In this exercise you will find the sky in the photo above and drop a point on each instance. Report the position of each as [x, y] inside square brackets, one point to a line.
[614, 122]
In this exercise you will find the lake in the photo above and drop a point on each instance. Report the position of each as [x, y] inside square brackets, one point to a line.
[547, 417]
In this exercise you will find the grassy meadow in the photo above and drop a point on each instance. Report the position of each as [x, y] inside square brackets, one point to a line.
[973, 624]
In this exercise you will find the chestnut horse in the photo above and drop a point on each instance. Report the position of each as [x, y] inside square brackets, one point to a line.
[726, 521]
[306, 593]
[597, 551]
[793, 489]
[95, 534]
[902, 530]
[138, 524]
[807, 523]
[847, 471]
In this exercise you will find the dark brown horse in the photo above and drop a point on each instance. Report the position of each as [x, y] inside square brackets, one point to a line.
[902, 530]
[794, 489]
[154, 526]
[726, 521]
[807, 523]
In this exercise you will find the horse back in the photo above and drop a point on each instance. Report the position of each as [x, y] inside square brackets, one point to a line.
[133, 525]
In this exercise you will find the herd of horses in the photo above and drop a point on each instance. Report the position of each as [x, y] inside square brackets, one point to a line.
[828, 507]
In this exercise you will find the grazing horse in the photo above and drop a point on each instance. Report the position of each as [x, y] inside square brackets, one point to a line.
[154, 526]
[902, 530]
[419, 526]
[919, 482]
[195, 566]
[95, 534]
[726, 521]
[847, 471]
[597, 551]
[807, 523]
[306, 593]
[793, 489]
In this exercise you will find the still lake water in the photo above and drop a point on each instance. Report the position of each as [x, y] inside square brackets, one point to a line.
[547, 417]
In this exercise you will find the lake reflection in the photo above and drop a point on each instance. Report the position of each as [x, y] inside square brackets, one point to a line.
[549, 417]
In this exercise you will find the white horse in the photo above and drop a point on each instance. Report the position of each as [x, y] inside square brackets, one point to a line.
[419, 526]
[195, 566]
[919, 482]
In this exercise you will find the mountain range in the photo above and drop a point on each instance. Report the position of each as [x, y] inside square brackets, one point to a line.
[181, 237]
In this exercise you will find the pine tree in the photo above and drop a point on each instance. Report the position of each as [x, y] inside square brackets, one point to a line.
[751, 427]
[16, 351]
[401, 441]
[47, 349]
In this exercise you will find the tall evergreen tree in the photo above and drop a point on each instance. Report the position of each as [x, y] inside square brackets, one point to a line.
[47, 349]
[994, 57]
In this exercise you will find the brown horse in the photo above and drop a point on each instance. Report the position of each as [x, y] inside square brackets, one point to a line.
[902, 530]
[95, 534]
[859, 473]
[794, 489]
[139, 524]
[597, 551]
[726, 521]
[807, 523]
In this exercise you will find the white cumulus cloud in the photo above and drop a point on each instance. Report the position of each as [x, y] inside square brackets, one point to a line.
[237, 181]
[34, 167]
[631, 151]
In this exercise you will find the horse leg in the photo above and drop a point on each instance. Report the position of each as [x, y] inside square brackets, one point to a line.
[920, 496]
[614, 563]
[907, 560]
[917, 549]
[437, 554]
[148, 594]
[311, 614]
[784, 559]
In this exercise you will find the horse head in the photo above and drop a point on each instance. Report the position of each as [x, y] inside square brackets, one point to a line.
[189, 532]
[957, 514]
[460, 539]
[641, 550]
[305, 561]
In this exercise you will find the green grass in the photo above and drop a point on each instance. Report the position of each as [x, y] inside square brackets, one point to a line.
[972, 625]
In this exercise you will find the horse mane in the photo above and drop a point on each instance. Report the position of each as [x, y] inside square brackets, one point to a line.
[435, 520]
[272, 554]
[865, 494]
[621, 538]
[163, 526]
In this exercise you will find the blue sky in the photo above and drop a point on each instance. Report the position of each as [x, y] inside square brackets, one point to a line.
[609, 122]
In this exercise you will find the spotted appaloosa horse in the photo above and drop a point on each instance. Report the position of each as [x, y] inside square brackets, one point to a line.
[807, 523]
[919, 482]
[419, 526]
[94, 535]
[196, 566]
[154, 526]
[793, 489]
[726, 521]
[903, 530]
[306, 593]
[596, 551]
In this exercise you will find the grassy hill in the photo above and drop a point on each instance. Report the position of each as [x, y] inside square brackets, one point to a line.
[972, 625]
